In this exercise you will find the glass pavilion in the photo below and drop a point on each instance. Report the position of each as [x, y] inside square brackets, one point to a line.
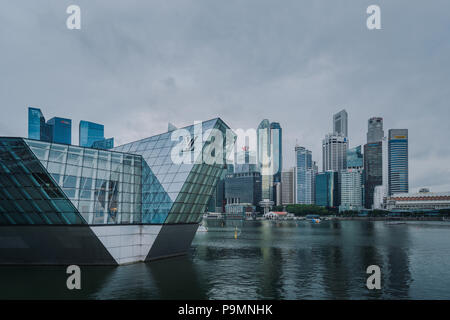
[136, 183]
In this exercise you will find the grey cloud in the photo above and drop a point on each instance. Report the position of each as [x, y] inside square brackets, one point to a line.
[137, 65]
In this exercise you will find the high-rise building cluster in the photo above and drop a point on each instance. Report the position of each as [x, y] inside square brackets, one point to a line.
[253, 183]
[352, 178]
[59, 130]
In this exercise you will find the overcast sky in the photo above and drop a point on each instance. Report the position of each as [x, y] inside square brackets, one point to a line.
[136, 65]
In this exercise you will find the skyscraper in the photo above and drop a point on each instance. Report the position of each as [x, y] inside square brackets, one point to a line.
[58, 130]
[326, 189]
[35, 121]
[276, 138]
[90, 132]
[381, 192]
[379, 196]
[243, 188]
[265, 160]
[243, 183]
[61, 129]
[334, 153]
[375, 131]
[373, 159]
[373, 170]
[287, 187]
[340, 123]
[398, 161]
[38, 129]
[245, 160]
[270, 157]
[277, 198]
[303, 176]
[315, 171]
[351, 190]
[217, 202]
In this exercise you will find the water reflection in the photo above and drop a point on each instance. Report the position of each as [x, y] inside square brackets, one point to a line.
[398, 276]
[304, 260]
[267, 260]
[43, 282]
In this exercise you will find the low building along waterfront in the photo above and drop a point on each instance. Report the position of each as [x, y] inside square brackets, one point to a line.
[419, 201]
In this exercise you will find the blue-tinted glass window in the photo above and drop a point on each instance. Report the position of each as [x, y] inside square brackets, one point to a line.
[70, 181]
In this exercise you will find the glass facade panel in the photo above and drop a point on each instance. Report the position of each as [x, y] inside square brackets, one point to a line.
[28, 194]
[94, 181]
[163, 180]
[326, 194]
[104, 144]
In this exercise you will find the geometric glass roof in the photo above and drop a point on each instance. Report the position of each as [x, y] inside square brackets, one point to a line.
[28, 194]
[176, 192]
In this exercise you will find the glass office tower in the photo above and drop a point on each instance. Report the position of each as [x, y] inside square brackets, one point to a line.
[35, 122]
[373, 171]
[265, 160]
[398, 161]
[61, 129]
[287, 187]
[304, 176]
[276, 138]
[327, 189]
[38, 129]
[243, 188]
[373, 160]
[89, 206]
[90, 132]
[270, 159]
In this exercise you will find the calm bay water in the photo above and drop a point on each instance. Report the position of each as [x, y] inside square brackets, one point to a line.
[268, 260]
